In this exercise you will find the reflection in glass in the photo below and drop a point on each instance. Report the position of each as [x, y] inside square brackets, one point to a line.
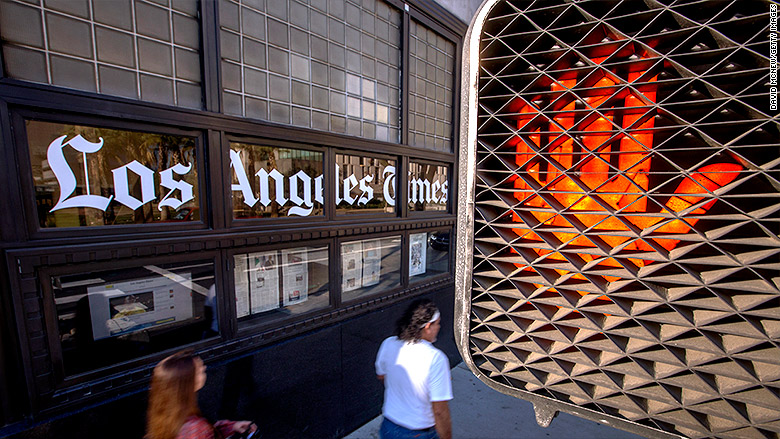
[364, 185]
[116, 315]
[270, 182]
[429, 254]
[332, 66]
[370, 266]
[431, 87]
[118, 48]
[88, 176]
[279, 284]
[428, 187]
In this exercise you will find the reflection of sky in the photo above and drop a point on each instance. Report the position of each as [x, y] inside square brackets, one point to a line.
[195, 284]
[316, 256]
[390, 271]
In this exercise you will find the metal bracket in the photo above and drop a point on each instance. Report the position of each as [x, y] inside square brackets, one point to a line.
[545, 413]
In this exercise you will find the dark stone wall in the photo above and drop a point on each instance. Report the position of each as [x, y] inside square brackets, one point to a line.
[319, 384]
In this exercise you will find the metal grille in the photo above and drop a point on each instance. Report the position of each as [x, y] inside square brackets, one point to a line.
[625, 221]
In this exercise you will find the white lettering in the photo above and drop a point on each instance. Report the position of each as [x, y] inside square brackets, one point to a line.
[185, 189]
[389, 175]
[338, 179]
[300, 188]
[419, 190]
[243, 181]
[423, 191]
[265, 183]
[367, 193]
[318, 189]
[295, 198]
[122, 188]
[349, 184]
[67, 180]
[65, 177]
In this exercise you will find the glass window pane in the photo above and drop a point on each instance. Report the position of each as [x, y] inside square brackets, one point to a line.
[83, 40]
[106, 317]
[320, 43]
[271, 182]
[91, 176]
[429, 254]
[364, 185]
[428, 188]
[370, 266]
[280, 284]
[431, 73]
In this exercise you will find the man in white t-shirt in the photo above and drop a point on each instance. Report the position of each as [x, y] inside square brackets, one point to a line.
[416, 377]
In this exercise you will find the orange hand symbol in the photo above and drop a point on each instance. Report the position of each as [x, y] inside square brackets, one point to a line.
[597, 173]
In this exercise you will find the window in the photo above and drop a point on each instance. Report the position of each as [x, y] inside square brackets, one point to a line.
[428, 187]
[133, 49]
[429, 254]
[279, 284]
[105, 317]
[364, 185]
[370, 266]
[87, 176]
[269, 181]
[332, 66]
[431, 85]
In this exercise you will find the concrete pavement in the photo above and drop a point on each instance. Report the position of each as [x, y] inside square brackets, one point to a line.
[479, 412]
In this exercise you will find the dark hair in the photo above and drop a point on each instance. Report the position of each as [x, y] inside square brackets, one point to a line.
[410, 325]
[172, 396]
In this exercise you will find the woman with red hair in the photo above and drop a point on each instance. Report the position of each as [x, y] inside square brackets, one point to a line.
[173, 402]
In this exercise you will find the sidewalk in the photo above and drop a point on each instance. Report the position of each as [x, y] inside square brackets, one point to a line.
[479, 412]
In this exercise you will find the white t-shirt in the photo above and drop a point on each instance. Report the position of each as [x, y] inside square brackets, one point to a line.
[416, 374]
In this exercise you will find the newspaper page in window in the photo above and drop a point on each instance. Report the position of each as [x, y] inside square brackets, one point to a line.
[417, 254]
[352, 265]
[264, 281]
[372, 261]
[295, 276]
[241, 275]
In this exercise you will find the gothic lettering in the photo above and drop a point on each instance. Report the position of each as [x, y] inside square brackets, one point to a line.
[67, 179]
[243, 182]
[305, 181]
[122, 189]
[167, 181]
[349, 184]
[389, 175]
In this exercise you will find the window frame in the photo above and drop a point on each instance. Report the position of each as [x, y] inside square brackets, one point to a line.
[450, 175]
[256, 323]
[50, 317]
[238, 223]
[19, 118]
[397, 212]
[389, 292]
[415, 280]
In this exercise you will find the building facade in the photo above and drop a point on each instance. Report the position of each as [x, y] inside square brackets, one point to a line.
[267, 182]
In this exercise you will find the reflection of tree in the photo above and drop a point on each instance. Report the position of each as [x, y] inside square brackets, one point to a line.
[429, 173]
[287, 162]
[156, 152]
[270, 154]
